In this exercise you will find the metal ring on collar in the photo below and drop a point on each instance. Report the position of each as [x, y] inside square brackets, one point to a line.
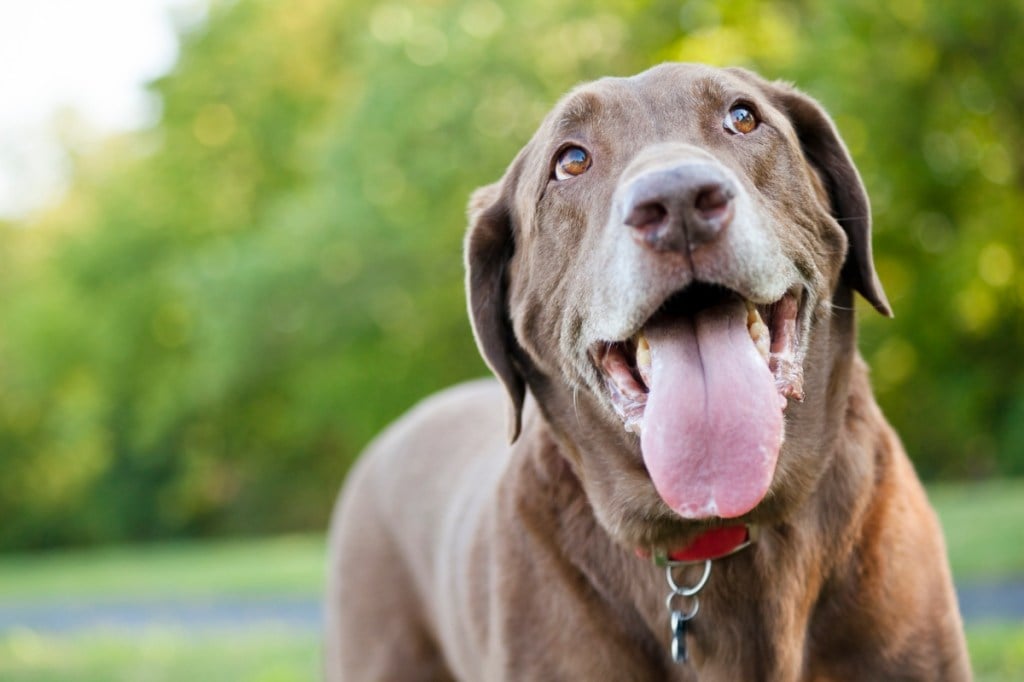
[688, 591]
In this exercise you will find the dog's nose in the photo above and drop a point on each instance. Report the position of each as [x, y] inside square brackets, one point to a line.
[678, 207]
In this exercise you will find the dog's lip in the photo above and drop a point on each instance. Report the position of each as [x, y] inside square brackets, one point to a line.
[783, 319]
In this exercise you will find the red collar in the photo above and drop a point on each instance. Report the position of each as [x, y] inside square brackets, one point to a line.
[711, 544]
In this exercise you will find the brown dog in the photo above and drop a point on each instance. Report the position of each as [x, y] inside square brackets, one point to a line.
[662, 281]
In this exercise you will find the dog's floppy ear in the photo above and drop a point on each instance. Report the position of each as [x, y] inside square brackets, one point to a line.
[488, 249]
[825, 150]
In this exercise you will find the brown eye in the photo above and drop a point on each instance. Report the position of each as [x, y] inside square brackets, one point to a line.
[740, 120]
[571, 162]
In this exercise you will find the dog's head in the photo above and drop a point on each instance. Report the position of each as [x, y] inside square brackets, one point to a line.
[668, 266]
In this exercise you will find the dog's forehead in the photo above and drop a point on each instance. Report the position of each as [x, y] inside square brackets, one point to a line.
[668, 92]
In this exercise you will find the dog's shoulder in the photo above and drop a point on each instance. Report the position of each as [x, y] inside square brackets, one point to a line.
[470, 412]
[452, 426]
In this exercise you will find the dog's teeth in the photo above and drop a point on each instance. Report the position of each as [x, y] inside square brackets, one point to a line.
[643, 352]
[643, 359]
[758, 331]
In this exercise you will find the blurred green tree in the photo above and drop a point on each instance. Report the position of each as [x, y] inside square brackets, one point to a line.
[223, 309]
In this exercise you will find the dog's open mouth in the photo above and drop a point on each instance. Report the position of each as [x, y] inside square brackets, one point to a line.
[704, 383]
[626, 365]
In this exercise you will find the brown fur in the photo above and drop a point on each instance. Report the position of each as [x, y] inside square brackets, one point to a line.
[455, 555]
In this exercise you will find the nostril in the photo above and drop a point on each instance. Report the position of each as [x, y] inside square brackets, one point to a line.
[713, 201]
[643, 215]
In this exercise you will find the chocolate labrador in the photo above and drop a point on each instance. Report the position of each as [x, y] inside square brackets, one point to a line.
[700, 485]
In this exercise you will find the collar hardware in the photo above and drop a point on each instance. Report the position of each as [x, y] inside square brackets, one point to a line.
[714, 544]
[678, 618]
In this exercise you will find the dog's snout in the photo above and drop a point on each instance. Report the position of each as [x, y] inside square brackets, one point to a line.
[678, 207]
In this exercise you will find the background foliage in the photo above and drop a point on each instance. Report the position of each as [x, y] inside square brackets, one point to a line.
[223, 309]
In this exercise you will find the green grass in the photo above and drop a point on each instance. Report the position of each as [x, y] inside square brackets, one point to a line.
[287, 566]
[159, 655]
[982, 523]
[997, 652]
[291, 566]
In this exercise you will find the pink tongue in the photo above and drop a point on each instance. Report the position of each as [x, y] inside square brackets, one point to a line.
[712, 427]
